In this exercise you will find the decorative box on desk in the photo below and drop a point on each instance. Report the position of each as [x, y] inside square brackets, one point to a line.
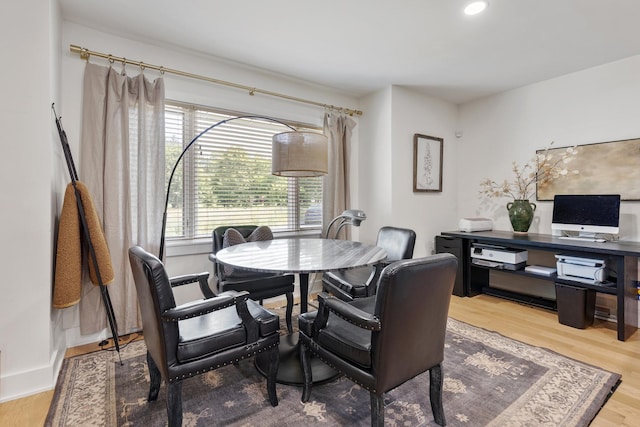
[622, 262]
[475, 224]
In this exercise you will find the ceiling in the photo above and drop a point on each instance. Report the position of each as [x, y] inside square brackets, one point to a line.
[360, 46]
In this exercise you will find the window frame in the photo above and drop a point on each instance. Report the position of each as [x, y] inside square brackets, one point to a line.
[192, 243]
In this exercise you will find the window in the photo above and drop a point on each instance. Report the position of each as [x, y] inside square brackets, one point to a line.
[225, 177]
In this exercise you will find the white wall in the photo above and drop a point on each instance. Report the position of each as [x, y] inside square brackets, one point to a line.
[427, 214]
[374, 168]
[194, 258]
[596, 105]
[29, 352]
[393, 116]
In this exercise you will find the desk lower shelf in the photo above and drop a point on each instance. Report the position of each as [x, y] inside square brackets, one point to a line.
[607, 287]
[523, 298]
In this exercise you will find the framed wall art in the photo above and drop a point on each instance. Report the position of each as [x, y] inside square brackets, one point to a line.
[603, 168]
[427, 163]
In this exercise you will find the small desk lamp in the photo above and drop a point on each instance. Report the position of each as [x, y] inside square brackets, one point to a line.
[295, 154]
[349, 217]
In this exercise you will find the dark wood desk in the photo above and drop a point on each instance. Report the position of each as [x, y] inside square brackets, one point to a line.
[302, 256]
[622, 258]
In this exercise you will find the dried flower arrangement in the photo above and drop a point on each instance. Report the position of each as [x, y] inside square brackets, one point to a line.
[543, 168]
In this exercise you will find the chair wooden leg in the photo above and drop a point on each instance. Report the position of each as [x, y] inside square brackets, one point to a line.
[155, 377]
[435, 394]
[289, 311]
[377, 410]
[305, 361]
[174, 403]
[274, 364]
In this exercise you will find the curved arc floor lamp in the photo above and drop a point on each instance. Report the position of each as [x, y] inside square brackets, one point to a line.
[294, 154]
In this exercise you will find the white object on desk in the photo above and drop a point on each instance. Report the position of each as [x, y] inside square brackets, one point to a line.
[475, 224]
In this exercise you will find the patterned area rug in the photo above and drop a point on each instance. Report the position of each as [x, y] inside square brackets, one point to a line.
[490, 380]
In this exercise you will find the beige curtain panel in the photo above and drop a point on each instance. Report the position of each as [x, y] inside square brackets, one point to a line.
[122, 164]
[335, 185]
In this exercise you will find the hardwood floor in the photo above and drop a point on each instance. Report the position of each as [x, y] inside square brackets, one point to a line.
[596, 345]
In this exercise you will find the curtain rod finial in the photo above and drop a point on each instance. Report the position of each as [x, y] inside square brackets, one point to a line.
[83, 52]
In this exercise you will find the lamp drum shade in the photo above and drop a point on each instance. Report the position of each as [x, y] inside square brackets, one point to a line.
[299, 154]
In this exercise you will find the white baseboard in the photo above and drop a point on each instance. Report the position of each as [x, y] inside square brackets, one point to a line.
[25, 383]
[75, 338]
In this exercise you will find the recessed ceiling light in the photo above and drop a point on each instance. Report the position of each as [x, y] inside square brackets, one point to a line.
[476, 7]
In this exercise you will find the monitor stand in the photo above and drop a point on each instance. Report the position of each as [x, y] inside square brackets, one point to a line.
[585, 237]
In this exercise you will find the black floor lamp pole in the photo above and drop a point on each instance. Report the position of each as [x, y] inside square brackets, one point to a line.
[175, 166]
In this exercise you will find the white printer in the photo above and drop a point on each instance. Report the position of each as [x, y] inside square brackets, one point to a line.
[498, 256]
[585, 270]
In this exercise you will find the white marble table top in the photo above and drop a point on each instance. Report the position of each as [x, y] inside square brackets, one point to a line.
[300, 255]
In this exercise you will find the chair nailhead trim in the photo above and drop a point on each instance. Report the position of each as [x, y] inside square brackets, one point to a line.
[172, 319]
[191, 374]
[313, 347]
[377, 326]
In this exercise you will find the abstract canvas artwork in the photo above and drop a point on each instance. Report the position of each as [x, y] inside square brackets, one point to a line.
[603, 168]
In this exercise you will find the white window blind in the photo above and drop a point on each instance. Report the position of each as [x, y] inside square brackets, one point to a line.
[225, 177]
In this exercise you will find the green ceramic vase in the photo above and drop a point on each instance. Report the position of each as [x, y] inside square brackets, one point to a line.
[521, 215]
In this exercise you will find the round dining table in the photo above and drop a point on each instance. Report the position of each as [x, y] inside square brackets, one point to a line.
[301, 256]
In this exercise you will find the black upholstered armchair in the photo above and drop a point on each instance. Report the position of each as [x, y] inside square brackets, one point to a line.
[199, 336]
[357, 282]
[384, 340]
[259, 285]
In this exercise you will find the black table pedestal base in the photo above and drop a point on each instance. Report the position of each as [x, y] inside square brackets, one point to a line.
[290, 371]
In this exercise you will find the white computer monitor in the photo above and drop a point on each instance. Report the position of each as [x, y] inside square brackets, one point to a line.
[587, 215]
